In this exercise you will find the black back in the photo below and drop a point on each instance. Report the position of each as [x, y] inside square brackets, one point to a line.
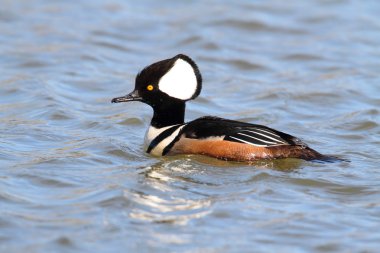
[237, 131]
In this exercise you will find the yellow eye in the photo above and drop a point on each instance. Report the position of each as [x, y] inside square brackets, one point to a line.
[149, 87]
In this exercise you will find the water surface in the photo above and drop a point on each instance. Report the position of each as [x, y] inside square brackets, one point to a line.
[74, 176]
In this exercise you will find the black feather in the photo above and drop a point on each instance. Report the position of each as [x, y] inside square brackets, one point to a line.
[237, 131]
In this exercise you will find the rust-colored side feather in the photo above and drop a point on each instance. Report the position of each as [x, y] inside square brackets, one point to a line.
[234, 151]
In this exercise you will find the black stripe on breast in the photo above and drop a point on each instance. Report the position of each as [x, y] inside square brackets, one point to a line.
[162, 136]
[171, 144]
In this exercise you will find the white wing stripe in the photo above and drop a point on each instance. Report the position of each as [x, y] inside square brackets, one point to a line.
[247, 142]
[265, 131]
[269, 137]
[269, 142]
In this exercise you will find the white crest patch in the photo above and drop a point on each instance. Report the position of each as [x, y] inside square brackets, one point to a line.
[180, 81]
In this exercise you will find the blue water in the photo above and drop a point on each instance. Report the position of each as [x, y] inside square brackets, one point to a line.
[74, 176]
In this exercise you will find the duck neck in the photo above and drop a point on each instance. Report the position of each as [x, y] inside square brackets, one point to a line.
[168, 114]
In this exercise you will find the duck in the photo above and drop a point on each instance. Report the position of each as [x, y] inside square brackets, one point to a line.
[167, 85]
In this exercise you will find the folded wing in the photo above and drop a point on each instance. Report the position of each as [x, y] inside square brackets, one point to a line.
[241, 132]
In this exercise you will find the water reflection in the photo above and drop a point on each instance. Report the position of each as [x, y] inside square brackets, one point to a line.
[165, 198]
[175, 189]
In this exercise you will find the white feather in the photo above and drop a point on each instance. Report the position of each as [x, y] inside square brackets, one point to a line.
[180, 81]
[153, 132]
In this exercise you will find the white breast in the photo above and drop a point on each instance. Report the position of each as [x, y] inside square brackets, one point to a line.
[153, 133]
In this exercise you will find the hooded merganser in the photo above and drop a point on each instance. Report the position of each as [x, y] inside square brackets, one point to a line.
[167, 85]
